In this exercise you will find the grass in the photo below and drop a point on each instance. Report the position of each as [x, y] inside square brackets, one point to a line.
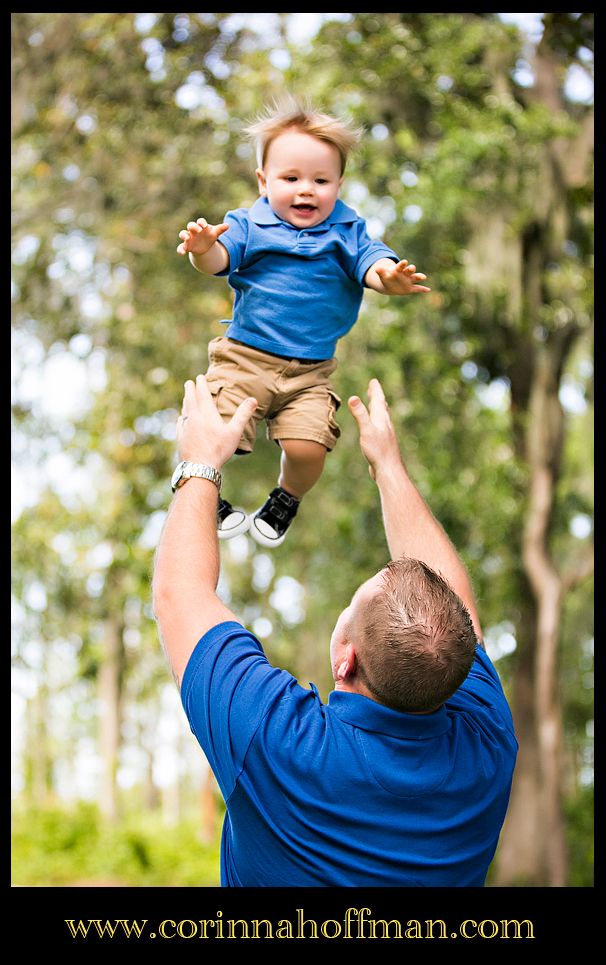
[58, 847]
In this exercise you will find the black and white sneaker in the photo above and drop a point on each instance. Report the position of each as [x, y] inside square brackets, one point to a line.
[230, 522]
[269, 524]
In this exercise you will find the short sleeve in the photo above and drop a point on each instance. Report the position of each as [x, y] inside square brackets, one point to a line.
[235, 239]
[369, 251]
[228, 688]
[482, 687]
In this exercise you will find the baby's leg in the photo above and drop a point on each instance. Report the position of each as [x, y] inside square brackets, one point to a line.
[301, 465]
[304, 426]
[300, 468]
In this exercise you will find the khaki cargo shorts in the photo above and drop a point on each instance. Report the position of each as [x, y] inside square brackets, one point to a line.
[294, 397]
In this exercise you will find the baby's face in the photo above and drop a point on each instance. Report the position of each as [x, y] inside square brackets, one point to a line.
[301, 178]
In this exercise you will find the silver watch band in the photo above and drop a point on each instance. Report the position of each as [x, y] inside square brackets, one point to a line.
[200, 470]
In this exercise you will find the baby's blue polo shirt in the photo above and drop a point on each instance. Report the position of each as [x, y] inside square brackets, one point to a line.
[351, 793]
[297, 290]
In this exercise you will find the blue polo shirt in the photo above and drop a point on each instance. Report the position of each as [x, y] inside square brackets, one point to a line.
[351, 793]
[297, 290]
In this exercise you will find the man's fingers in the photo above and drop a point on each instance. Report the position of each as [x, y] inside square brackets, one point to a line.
[243, 414]
[202, 390]
[189, 398]
[378, 406]
[358, 411]
[375, 391]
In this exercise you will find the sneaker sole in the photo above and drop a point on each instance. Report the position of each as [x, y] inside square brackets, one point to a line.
[260, 538]
[235, 530]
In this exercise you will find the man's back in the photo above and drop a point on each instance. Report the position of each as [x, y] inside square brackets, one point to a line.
[353, 793]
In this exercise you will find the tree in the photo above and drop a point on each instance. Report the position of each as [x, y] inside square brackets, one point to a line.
[103, 150]
[503, 179]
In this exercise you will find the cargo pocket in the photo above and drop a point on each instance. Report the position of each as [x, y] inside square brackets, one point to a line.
[215, 387]
[334, 404]
[214, 349]
[227, 403]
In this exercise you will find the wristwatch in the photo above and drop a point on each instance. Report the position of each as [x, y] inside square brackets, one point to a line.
[185, 470]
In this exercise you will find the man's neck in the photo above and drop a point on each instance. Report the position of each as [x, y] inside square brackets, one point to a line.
[359, 687]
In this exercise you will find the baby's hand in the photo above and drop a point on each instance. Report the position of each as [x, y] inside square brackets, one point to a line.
[199, 236]
[401, 279]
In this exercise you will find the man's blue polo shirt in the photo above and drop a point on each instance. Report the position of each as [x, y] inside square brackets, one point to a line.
[351, 793]
[297, 290]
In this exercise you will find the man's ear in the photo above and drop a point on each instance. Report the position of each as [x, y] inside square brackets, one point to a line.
[261, 182]
[348, 663]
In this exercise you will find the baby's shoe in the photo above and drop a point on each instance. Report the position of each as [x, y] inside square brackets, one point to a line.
[230, 522]
[269, 524]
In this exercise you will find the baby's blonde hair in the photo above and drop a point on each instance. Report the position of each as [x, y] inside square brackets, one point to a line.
[293, 113]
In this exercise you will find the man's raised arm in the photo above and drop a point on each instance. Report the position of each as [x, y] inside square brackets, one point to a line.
[186, 569]
[410, 527]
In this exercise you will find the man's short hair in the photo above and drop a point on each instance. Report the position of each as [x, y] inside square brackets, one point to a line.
[299, 114]
[418, 641]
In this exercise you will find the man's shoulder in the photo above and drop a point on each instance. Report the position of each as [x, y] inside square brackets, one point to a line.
[482, 694]
[230, 655]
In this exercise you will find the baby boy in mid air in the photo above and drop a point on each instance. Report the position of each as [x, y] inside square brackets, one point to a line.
[298, 261]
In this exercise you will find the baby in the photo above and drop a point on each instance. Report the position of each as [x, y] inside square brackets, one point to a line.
[298, 261]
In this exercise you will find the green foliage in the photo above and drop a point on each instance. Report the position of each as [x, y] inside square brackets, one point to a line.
[580, 833]
[56, 846]
[107, 169]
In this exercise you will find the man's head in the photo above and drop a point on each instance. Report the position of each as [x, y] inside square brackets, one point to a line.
[301, 155]
[406, 640]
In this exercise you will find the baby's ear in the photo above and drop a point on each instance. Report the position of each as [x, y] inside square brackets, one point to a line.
[261, 182]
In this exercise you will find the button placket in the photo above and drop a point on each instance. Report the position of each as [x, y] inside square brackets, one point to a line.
[305, 239]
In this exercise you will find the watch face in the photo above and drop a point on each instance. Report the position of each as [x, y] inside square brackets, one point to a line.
[176, 475]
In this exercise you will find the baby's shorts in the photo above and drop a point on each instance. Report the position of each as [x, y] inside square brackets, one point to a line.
[294, 396]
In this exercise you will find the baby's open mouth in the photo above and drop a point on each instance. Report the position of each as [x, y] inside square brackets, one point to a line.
[304, 207]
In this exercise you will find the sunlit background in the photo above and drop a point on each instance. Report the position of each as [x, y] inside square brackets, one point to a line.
[108, 322]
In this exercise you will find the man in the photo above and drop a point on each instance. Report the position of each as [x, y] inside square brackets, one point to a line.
[403, 779]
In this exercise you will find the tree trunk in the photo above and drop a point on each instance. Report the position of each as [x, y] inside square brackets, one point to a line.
[544, 447]
[519, 854]
[208, 808]
[171, 804]
[151, 797]
[110, 685]
[38, 780]
[533, 847]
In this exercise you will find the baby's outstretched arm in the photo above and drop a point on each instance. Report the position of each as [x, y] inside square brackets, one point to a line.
[199, 241]
[391, 278]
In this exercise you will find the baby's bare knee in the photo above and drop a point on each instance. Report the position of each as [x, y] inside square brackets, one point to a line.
[305, 450]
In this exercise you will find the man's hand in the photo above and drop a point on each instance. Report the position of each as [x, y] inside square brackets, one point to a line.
[378, 439]
[410, 527]
[199, 237]
[202, 435]
[400, 278]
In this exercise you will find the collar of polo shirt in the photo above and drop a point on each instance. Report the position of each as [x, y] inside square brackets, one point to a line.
[263, 214]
